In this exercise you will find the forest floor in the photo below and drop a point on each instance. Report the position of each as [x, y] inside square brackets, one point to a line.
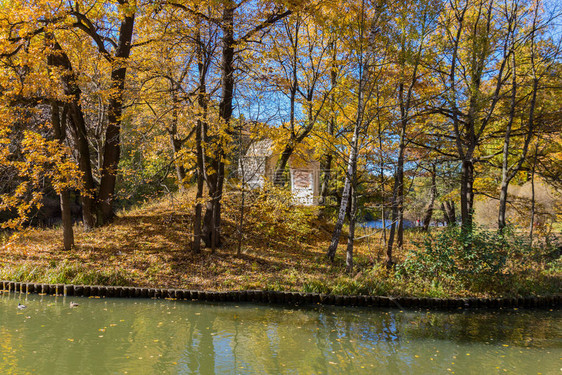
[149, 246]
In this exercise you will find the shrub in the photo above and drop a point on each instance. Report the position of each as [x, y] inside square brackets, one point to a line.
[272, 216]
[468, 257]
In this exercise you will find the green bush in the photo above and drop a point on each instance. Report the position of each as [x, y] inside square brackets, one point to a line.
[452, 254]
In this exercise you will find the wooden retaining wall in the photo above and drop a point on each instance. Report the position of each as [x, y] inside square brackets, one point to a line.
[287, 298]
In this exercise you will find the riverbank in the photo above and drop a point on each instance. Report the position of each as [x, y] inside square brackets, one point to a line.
[148, 247]
[279, 297]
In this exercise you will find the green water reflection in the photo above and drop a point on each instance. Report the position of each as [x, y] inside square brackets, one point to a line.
[127, 336]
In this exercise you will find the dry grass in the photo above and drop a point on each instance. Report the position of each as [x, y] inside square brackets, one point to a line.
[150, 246]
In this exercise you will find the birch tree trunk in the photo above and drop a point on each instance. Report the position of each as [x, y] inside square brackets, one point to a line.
[351, 236]
[349, 176]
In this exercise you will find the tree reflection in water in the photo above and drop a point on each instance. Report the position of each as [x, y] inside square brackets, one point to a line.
[178, 337]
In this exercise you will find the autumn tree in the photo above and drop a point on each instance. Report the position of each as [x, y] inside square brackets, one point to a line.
[533, 55]
[234, 35]
[363, 44]
[411, 39]
[299, 54]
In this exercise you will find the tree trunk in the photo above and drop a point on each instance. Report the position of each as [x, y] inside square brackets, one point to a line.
[381, 174]
[112, 146]
[349, 178]
[397, 193]
[75, 117]
[59, 127]
[241, 221]
[327, 175]
[68, 232]
[351, 170]
[351, 237]
[506, 178]
[445, 213]
[279, 174]
[503, 204]
[432, 196]
[532, 221]
[400, 234]
[200, 135]
[452, 212]
[393, 218]
[508, 173]
[196, 246]
[215, 181]
[64, 194]
[175, 142]
[467, 196]
[449, 213]
[88, 195]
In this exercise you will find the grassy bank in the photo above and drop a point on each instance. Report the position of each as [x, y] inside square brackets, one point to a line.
[282, 249]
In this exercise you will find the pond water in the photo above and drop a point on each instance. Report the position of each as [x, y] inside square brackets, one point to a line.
[377, 224]
[131, 336]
